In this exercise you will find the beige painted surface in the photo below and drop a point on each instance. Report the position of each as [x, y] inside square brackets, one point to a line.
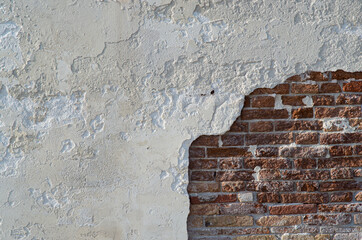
[100, 100]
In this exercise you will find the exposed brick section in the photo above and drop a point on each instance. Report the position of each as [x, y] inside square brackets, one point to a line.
[289, 168]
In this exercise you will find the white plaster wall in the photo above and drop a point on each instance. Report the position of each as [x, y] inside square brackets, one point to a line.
[100, 100]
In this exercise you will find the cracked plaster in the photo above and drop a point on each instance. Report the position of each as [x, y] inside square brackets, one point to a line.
[101, 99]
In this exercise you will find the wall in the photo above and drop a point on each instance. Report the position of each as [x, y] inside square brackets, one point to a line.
[100, 100]
[288, 168]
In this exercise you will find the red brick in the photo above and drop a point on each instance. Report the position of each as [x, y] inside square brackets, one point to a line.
[239, 126]
[204, 209]
[349, 99]
[341, 197]
[341, 75]
[228, 152]
[303, 152]
[306, 174]
[341, 150]
[357, 150]
[302, 113]
[233, 186]
[357, 172]
[202, 175]
[323, 100]
[232, 140]
[268, 138]
[317, 76]
[214, 198]
[242, 208]
[203, 164]
[304, 88]
[269, 174]
[341, 173]
[206, 141]
[268, 197]
[294, 78]
[304, 198]
[339, 186]
[342, 112]
[293, 100]
[270, 186]
[195, 152]
[234, 175]
[307, 186]
[293, 209]
[296, 125]
[261, 126]
[306, 138]
[247, 101]
[330, 219]
[228, 221]
[330, 88]
[250, 114]
[262, 101]
[353, 86]
[305, 163]
[358, 196]
[279, 89]
[357, 123]
[251, 163]
[338, 138]
[267, 152]
[340, 162]
[347, 208]
[230, 163]
[203, 187]
[194, 221]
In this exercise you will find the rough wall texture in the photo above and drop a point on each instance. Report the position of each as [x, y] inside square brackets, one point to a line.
[100, 100]
[290, 166]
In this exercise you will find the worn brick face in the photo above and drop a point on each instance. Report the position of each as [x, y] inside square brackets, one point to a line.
[290, 167]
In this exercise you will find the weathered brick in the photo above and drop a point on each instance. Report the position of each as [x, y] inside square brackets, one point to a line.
[323, 100]
[267, 152]
[295, 125]
[356, 123]
[307, 186]
[341, 197]
[303, 152]
[233, 186]
[250, 114]
[342, 112]
[194, 221]
[239, 126]
[279, 221]
[232, 140]
[268, 138]
[213, 198]
[302, 113]
[294, 229]
[306, 175]
[202, 175]
[317, 76]
[251, 163]
[279, 89]
[204, 209]
[228, 221]
[330, 219]
[242, 208]
[297, 237]
[339, 186]
[304, 88]
[230, 163]
[269, 174]
[349, 236]
[349, 99]
[304, 198]
[340, 162]
[234, 175]
[270, 186]
[293, 100]
[358, 218]
[338, 138]
[353, 86]
[256, 237]
[346, 208]
[357, 150]
[245, 197]
[322, 237]
[261, 126]
[340, 150]
[206, 141]
[228, 152]
[203, 187]
[244, 230]
[357, 172]
[358, 196]
[262, 101]
[340, 75]
[202, 164]
[306, 138]
[293, 209]
[268, 197]
[195, 152]
[305, 163]
[330, 88]
[341, 173]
